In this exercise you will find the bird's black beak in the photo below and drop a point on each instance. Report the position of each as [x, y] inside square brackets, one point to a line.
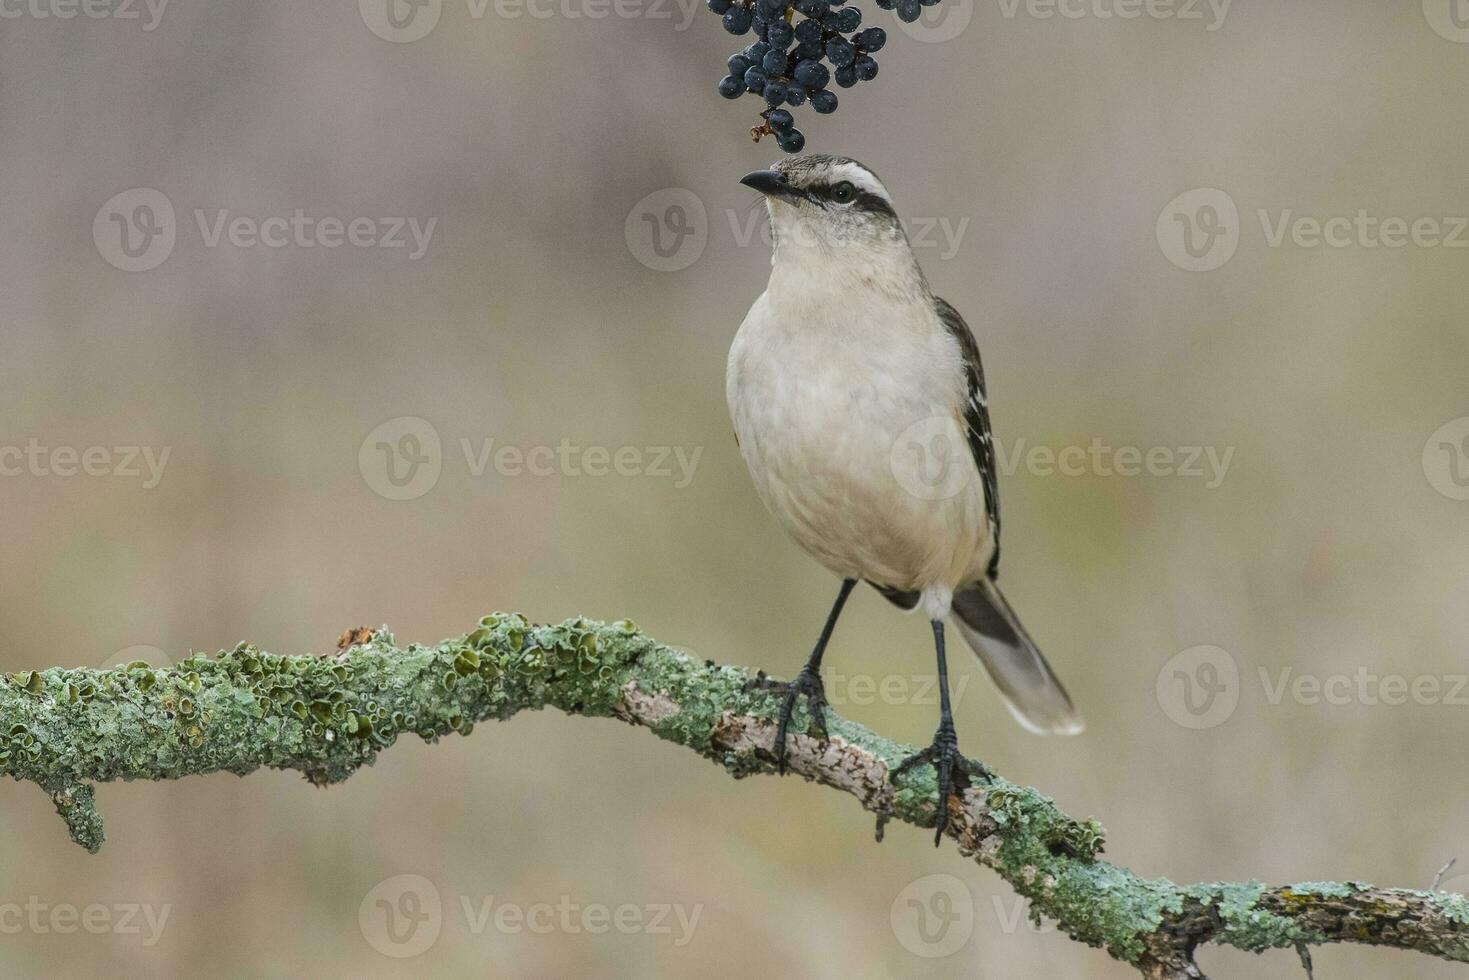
[772, 183]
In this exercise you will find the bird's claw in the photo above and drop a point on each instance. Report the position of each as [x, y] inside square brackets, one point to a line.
[807, 682]
[953, 771]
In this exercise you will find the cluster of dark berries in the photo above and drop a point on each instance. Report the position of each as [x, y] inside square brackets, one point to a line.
[786, 65]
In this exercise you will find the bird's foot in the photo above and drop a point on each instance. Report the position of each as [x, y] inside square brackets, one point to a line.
[953, 771]
[807, 682]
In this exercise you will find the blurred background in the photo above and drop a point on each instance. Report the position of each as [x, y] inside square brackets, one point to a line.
[221, 421]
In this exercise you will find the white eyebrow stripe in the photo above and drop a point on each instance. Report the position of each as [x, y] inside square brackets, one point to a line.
[862, 178]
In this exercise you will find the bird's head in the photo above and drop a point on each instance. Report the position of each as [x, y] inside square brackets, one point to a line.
[831, 213]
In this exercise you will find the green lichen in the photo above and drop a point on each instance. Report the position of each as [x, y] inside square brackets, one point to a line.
[1247, 925]
[326, 717]
[77, 806]
[1453, 906]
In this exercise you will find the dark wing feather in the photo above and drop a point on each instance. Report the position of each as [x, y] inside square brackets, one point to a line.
[906, 601]
[980, 438]
[977, 420]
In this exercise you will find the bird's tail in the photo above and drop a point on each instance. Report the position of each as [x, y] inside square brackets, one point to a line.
[1032, 692]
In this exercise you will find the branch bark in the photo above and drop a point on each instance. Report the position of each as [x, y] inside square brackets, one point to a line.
[326, 717]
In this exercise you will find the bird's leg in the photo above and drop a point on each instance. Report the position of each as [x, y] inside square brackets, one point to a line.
[807, 682]
[953, 769]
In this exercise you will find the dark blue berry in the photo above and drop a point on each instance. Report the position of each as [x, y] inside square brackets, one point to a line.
[780, 119]
[812, 74]
[737, 20]
[846, 76]
[810, 51]
[811, 8]
[886, 4]
[792, 140]
[731, 87]
[756, 52]
[866, 68]
[773, 9]
[755, 79]
[796, 94]
[908, 10]
[808, 30]
[775, 93]
[720, 6]
[824, 102]
[780, 35]
[840, 52]
[848, 19]
[872, 39]
[738, 65]
[774, 62]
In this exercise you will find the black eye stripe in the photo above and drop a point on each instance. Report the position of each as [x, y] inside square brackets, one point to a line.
[824, 189]
[864, 201]
[867, 201]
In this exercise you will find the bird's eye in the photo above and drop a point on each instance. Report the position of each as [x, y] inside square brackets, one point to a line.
[844, 192]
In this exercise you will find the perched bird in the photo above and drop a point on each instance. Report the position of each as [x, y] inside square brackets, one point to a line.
[859, 405]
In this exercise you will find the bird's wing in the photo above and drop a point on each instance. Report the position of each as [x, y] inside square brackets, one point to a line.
[906, 601]
[977, 420]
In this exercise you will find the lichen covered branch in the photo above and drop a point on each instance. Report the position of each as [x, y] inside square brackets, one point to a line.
[328, 716]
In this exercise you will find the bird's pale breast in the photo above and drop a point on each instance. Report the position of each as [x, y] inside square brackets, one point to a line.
[827, 397]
